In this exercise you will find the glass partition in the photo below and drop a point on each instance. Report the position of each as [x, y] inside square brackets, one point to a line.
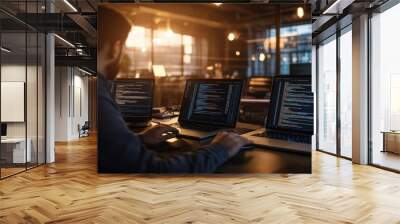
[346, 93]
[385, 89]
[14, 153]
[327, 96]
[22, 92]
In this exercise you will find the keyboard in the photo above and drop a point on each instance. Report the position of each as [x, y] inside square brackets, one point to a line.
[196, 127]
[285, 136]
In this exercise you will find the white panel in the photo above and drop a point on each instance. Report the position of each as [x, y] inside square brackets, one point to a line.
[12, 101]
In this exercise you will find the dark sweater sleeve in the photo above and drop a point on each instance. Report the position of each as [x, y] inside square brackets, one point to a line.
[121, 151]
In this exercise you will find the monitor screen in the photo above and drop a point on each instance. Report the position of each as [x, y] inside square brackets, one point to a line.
[159, 71]
[3, 129]
[134, 98]
[213, 101]
[292, 105]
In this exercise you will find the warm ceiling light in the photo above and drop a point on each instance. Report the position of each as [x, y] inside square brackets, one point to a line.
[261, 57]
[64, 40]
[300, 12]
[337, 7]
[169, 32]
[70, 5]
[136, 37]
[237, 53]
[218, 3]
[231, 36]
[5, 50]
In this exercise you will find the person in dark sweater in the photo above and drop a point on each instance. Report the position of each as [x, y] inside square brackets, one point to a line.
[122, 151]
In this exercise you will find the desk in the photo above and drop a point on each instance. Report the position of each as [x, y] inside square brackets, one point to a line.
[13, 150]
[257, 160]
[391, 141]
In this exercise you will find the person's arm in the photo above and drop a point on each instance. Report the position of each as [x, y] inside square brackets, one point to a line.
[122, 151]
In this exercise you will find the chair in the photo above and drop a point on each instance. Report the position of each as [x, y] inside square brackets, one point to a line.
[84, 130]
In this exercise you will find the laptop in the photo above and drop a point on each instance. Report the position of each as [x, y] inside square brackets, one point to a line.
[208, 106]
[134, 98]
[290, 120]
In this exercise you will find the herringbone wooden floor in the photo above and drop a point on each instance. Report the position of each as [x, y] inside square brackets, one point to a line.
[70, 191]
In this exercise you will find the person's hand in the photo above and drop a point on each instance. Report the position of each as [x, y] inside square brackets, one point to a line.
[230, 140]
[157, 134]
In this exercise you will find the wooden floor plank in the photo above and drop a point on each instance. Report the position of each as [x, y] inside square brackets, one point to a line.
[71, 191]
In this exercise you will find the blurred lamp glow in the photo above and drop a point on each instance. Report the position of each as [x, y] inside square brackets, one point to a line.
[261, 57]
[231, 36]
[300, 12]
[136, 37]
[159, 71]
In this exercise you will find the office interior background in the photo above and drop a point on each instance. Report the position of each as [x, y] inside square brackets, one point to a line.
[56, 64]
[62, 65]
[48, 76]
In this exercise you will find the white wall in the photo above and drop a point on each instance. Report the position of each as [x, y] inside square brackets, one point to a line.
[71, 103]
[33, 127]
[12, 73]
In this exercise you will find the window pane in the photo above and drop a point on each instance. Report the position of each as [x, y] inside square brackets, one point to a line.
[346, 94]
[327, 97]
[137, 61]
[192, 55]
[385, 84]
[295, 46]
[262, 53]
[168, 51]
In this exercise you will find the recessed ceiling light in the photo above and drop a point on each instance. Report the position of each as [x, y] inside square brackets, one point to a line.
[70, 5]
[84, 71]
[5, 50]
[64, 40]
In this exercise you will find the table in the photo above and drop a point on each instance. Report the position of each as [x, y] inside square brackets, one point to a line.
[13, 150]
[391, 141]
[257, 160]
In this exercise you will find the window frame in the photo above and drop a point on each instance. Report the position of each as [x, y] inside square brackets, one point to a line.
[335, 36]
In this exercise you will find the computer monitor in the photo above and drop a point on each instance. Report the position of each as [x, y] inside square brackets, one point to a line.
[300, 69]
[159, 71]
[3, 129]
[211, 101]
[292, 105]
[134, 98]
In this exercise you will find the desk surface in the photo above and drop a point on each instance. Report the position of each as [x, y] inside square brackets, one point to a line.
[13, 140]
[257, 160]
[250, 100]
